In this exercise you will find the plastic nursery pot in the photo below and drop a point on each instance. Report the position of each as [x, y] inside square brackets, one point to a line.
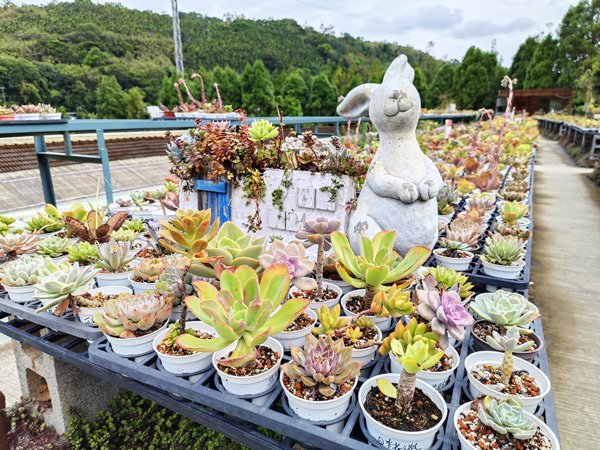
[345, 287]
[52, 116]
[511, 272]
[287, 338]
[28, 116]
[134, 346]
[20, 294]
[250, 385]
[453, 263]
[477, 388]
[86, 314]
[51, 310]
[113, 279]
[482, 346]
[329, 303]
[188, 364]
[382, 322]
[366, 355]
[436, 379]
[140, 287]
[318, 411]
[395, 439]
[466, 445]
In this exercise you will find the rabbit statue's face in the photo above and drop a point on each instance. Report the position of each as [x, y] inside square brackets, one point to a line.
[395, 106]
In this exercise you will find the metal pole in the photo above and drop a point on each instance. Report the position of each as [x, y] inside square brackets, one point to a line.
[103, 152]
[3, 423]
[177, 38]
[44, 166]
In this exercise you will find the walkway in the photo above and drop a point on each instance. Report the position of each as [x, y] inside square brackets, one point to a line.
[566, 276]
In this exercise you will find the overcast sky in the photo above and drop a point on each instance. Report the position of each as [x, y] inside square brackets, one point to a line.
[452, 26]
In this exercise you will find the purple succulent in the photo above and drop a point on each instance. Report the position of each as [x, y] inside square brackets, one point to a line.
[317, 231]
[294, 255]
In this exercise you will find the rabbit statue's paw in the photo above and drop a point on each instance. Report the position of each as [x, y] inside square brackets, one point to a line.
[428, 189]
[408, 192]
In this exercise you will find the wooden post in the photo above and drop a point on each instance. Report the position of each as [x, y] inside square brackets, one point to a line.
[3, 423]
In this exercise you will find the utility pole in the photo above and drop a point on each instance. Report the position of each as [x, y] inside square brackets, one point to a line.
[177, 38]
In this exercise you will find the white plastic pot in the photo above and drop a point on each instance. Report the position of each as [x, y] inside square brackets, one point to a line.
[51, 116]
[113, 279]
[366, 355]
[383, 323]
[504, 272]
[287, 338]
[466, 445]
[250, 385]
[20, 294]
[345, 287]
[28, 116]
[188, 364]
[395, 439]
[329, 303]
[176, 313]
[140, 287]
[452, 263]
[86, 315]
[318, 411]
[134, 346]
[477, 388]
[436, 379]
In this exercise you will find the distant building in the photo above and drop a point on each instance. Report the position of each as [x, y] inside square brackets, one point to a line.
[537, 100]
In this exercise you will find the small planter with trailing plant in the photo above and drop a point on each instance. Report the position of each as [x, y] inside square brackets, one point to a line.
[20, 276]
[115, 261]
[144, 276]
[319, 381]
[502, 257]
[92, 301]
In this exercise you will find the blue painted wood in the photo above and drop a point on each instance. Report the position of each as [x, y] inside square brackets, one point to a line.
[218, 197]
[210, 186]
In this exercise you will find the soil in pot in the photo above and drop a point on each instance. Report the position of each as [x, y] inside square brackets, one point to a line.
[126, 268]
[168, 347]
[444, 364]
[148, 253]
[484, 437]
[521, 383]
[266, 358]
[483, 328]
[326, 295]
[356, 304]
[422, 415]
[448, 253]
[302, 321]
[88, 300]
[298, 389]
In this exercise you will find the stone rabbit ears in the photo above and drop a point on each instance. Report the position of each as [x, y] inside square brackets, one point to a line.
[356, 103]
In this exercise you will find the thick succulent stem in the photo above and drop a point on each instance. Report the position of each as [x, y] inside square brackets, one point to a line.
[182, 316]
[368, 298]
[406, 390]
[507, 367]
[320, 251]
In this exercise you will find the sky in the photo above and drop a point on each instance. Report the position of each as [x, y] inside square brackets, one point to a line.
[446, 29]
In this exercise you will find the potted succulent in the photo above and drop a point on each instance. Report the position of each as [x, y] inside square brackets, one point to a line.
[83, 253]
[27, 112]
[489, 422]
[14, 245]
[296, 332]
[376, 268]
[331, 275]
[58, 290]
[92, 301]
[447, 278]
[447, 197]
[244, 313]
[114, 259]
[502, 257]
[6, 224]
[6, 113]
[319, 381]
[54, 247]
[514, 212]
[123, 234]
[20, 276]
[45, 223]
[145, 275]
[131, 322]
[453, 254]
[49, 113]
[93, 229]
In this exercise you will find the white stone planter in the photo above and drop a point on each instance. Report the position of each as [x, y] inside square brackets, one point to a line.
[477, 388]
[28, 116]
[188, 364]
[395, 439]
[20, 294]
[452, 263]
[287, 338]
[251, 385]
[329, 303]
[140, 287]
[504, 272]
[383, 323]
[134, 346]
[113, 279]
[86, 315]
[466, 445]
[318, 411]
[436, 379]
[51, 116]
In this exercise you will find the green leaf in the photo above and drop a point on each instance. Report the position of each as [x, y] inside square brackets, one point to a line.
[286, 314]
[275, 283]
[387, 388]
[195, 344]
[231, 283]
[374, 276]
[366, 248]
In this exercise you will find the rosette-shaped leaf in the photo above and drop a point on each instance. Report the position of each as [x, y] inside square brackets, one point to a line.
[127, 314]
[188, 233]
[54, 246]
[150, 270]
[378, 264]
[445, 312]
[330, 320]
[450, 278]
[415, 357]
[506, 416]
[13, 245]
[409, 333]
[508, 342]
[503, 250]
[467, 233]
[124, 235]
[59, 287]
[319, 230]
[394, 302]
[323, 364]
[28, 270]
[262, 130]
[175, 281]
[505, 309]
[482, 200]
[243, 311]
[114, 256]
[293, 255]
[93, 228]
[513, 211]
[136, 225]
[84, 253]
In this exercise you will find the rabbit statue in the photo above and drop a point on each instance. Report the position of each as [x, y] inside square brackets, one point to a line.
[400, 189]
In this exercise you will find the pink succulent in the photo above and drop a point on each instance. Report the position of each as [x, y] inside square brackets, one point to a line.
[293, 255]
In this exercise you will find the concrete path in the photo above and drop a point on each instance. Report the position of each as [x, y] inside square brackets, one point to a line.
[566, 276]
[9, 379]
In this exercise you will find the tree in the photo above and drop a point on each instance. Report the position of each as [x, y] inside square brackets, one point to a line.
[541, 72]
[111, 101]
[477, 80]
[522, 59]
[441, 87]
[294, 86]
[97, 58]
[29, 93]
[230, 85]
[289, 106]
[420, 82]
[258, 98]
[135, 107]
[323, 96]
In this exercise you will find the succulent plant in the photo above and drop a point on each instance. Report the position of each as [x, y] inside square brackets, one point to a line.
[5, 224]
[453, 249]
[84, 253]
[512, 229]
[188, 233]
[176, 280]
[353, 333]
[446, 198]
[411, 332]
[467, 233]
[124, 202]
[513, 211]
[114, 256]
[487, 181]
[122, 235]
[170, 186]
[482, 200]
[378, 264]
[502, 250]
[13, 245]
[447, 278]
[28, 270]
[444, 311]
[244, 311]
[324, 364]
[506, 416]
[127, 314]
[395, 302]
[513, 196]
[48, 221]
[464, 187]
[94, 229]
[54, 246]
[330, 320]
[293, 255]
[149, 270]
[505, 309]
[59, 288]
[139, 199]
[136, 225]
[508, 343]
[262, 130]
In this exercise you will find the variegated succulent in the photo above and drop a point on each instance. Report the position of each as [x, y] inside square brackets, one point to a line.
[114, 256]
[14, 245]
[447, 278]
[149, 270]
[54, 246]
[28, 270]
[395, 302]
[293, 255]
[409, 333]
[123, 234]
[188, 233]
[330, 320]
[513, 211]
